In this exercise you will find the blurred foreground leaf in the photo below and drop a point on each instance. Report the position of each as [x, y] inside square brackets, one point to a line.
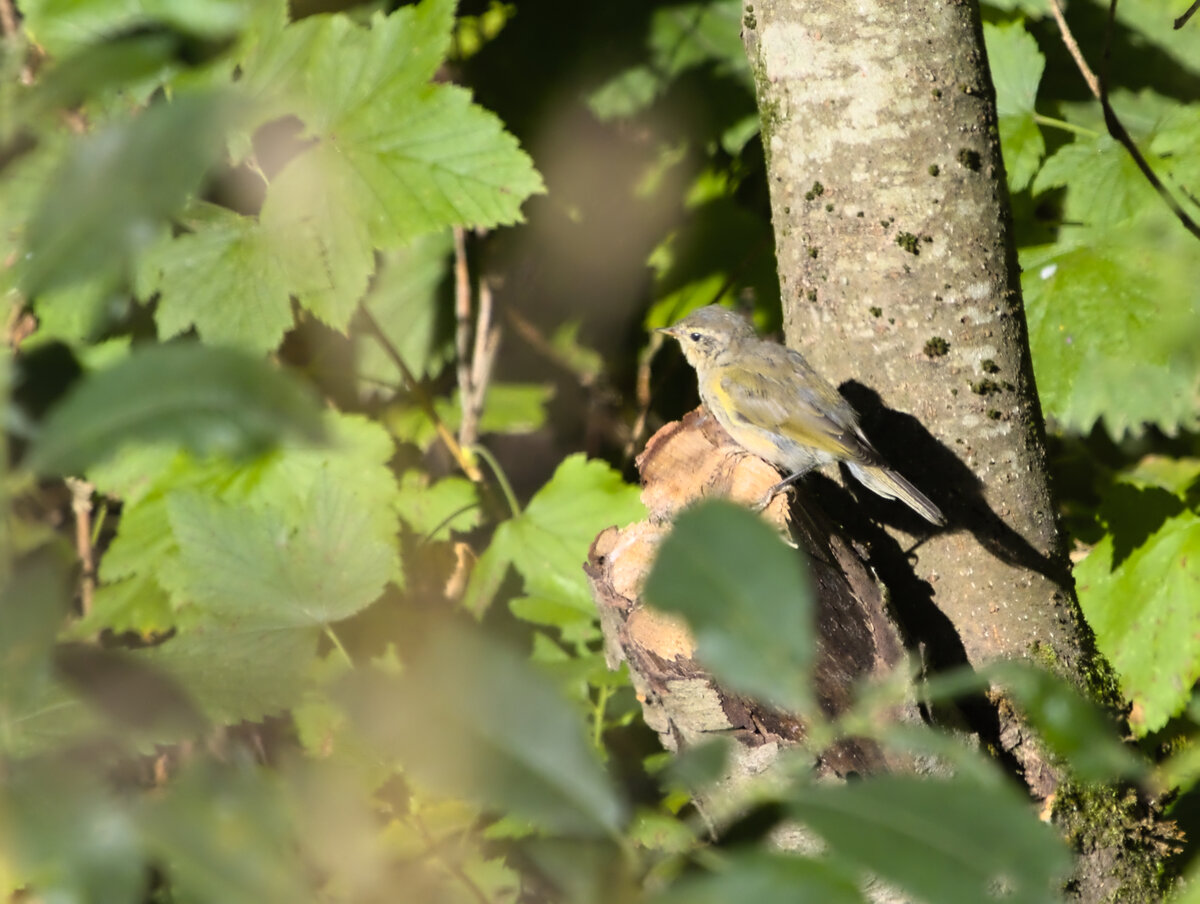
[747, 599]
[767, 879]
[472, 719]
[945, 842]
[209, 400]
[117, 188]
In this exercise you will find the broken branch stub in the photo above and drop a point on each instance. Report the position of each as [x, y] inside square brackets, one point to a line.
[857, 639]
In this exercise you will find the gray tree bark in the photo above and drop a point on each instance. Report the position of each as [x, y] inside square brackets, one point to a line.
[900, 285]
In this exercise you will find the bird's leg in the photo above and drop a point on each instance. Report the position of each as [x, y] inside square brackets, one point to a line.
[779, 488]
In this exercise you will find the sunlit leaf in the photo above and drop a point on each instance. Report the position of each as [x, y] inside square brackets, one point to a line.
[1145, 617]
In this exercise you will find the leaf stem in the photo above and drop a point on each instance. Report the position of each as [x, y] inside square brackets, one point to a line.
[336, 641]
[1053, 123]
[505, 486]
[424, 400]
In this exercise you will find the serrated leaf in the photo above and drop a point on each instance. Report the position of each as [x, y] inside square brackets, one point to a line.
[115, 190]
[945, 842]
[767, 878]
[229, 277]
[1145, 617]
[435, 510]
[209, 400]
[257, 568]
[548, 542]
[1104, 185]
[746, 597]
[257, 557]
[1112, 325]
[135, 604]
[1016, 65]
[406, 303]
[492, 730]
[237, 673]
[411, 157]
[1175, 475]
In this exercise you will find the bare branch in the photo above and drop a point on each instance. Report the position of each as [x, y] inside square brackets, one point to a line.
[1191, 11]
[1099, 87]
[81, 507]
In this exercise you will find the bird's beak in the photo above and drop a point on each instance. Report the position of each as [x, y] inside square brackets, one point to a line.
[668, 331]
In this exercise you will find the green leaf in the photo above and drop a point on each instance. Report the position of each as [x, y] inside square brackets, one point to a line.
[409, 307]
[747, 598]
[135, 604]
[255, 568]
[226, 834]
[400, 155]
[1112, 325]
[33, 603]
[67, 835]
[493, 730]
[548, 542]
[680, 38]
[508, 408]
[1104, 185]
[237, 673]
[256, 557]
[766, 878]
[1076, 729]
[1016, 65]
[945, 842]
[230, 277]
[434, 511]
[1145, 617]
[210, 400]
[116, 189]
[62, 26]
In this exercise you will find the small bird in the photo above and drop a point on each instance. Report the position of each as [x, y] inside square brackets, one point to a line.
[772, 402]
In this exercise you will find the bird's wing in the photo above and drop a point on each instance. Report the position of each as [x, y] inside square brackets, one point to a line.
[781, 393]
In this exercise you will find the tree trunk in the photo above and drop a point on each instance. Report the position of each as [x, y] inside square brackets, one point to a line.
[900, 285]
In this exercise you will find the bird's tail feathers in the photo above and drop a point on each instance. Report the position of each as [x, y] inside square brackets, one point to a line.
[891, 485]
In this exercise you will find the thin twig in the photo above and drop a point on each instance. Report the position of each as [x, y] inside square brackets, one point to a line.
[487, 342]
[474, 360]
[1099, 87]
[1191, 11]
[424, 400]
[8, 18]
[540, 344]
[642, 395]
[462, 322]
[81, 507]
[1093, 83]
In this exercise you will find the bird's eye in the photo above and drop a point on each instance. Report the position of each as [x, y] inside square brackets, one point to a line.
[695, 337]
